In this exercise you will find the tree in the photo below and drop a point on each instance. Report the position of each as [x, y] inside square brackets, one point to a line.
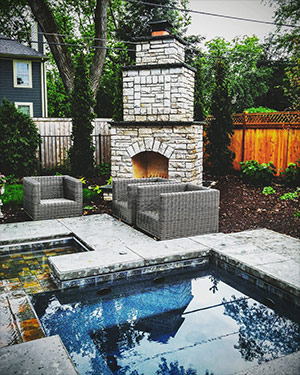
[45, 16]
[19, 140]
[292, 88]
[286, 13]
[248, 76]
[220, 130]
[82, 151]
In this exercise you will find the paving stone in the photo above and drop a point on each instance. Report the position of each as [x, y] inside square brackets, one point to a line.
[171, 250]
[44, 356]
[288, 365]
[31, 231]
[75, 266]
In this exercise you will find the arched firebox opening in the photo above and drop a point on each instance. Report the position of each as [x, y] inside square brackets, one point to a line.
[150, 164]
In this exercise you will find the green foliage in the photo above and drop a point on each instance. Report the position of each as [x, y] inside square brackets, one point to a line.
[297, 214]
[199, 105]
[291, 196]
[257, 174]
[267, 190]
[82, 150]
[219, 132]
[91, 195]
[109, 181]
[260, 110]
[19, 140]
[58, 100]
[102, 169]
[11, 179]
[292, 87]
[291, 175]
[248, 78]
[13, 196]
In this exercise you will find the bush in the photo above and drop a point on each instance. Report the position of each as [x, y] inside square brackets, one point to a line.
[102, 169]
[13, 196]
[291, 175]
[82, 149]
[19, 140]
[91, 196]
[257, 174]
[260, 110]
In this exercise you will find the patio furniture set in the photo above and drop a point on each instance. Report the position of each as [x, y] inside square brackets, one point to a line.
[160, 207]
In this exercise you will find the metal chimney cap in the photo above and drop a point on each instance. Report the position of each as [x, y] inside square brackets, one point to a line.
[162, 25]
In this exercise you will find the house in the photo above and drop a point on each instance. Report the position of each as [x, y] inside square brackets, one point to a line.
[23, 76]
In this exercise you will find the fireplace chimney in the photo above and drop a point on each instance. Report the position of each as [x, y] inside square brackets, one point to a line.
[159, 28]
[158, 136]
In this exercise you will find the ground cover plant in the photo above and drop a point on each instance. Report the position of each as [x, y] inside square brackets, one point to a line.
[243, 206]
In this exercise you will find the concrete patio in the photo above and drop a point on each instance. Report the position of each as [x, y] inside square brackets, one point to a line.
[118, 250]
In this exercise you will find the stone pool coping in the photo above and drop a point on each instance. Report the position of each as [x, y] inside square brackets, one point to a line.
[119, 249]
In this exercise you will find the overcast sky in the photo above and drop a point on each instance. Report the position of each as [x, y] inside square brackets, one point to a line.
[212, 27]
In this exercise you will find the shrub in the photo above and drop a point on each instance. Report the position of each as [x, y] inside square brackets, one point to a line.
[257, 174]
[260, 110]
[91, 195]
[102, 169]
[291, 196]
[220, 130]
[19, 140]
[291, 175]
[267, 190]
[82, 149]
[13, 196]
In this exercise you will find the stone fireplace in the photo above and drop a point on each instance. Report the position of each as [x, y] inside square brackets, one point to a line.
[158, 136]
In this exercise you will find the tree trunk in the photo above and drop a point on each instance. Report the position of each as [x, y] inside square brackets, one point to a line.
[100, 42]
[61, 54]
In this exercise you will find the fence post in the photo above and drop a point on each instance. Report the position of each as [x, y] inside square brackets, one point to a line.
[243, 136]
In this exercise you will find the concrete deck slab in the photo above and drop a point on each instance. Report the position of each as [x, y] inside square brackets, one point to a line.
[170, 251]
[288, 365]
[104, 231]
[31, 231]
[44, 356]
[93, 263]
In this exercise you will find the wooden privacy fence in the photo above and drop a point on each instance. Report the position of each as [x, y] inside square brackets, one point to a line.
[53, 151]
[266, 137]
[56, 141]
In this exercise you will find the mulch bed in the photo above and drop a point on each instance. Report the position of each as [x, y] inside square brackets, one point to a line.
[242, 207]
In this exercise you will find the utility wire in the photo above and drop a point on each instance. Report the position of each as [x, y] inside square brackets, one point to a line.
[201, 54]
[208, 14]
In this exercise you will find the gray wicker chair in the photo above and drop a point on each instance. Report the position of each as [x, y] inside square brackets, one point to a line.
[50, 197]
[124, 192]
[177, 210]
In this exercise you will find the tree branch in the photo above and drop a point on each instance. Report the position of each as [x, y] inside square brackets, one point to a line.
[101, 42]
[60, 51]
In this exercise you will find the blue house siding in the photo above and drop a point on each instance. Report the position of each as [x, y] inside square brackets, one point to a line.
[8, 91]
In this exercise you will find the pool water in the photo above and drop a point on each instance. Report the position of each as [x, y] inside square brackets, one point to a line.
[188, 324]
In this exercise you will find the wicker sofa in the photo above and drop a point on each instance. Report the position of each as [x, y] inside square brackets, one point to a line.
[50, 197]
[124, 192]
[177, 210]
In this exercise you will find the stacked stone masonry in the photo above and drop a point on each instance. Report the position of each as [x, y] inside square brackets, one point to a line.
[182, 145]
[158, 94]
[160, 87]
[160, 51]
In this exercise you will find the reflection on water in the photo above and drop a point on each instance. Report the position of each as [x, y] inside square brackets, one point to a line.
[182, 327]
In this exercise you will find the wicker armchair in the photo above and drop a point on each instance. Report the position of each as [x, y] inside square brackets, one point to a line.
[50, 197]
[124, 192]
[177, 210]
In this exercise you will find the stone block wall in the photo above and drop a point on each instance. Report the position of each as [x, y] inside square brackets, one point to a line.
[160, 51]
[181, 144]
[158, 93]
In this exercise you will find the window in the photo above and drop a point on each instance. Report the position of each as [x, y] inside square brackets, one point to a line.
[22, 74]
[26, 108]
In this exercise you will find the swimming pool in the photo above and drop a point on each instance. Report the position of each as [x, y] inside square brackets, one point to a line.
[194, 323]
